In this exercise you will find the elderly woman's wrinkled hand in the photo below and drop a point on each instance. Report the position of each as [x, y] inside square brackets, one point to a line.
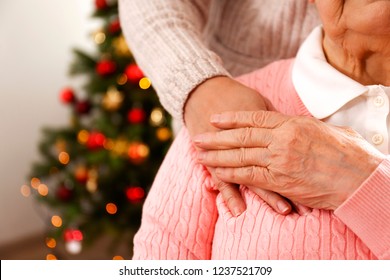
[301, 158]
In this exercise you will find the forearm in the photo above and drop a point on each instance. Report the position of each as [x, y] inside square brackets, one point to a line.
[367, 211]
[165, 38]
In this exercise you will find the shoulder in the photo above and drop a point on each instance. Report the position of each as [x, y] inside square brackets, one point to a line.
[274, 83]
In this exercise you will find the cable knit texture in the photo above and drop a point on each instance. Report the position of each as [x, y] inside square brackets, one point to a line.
[181, 43]
[183, 218]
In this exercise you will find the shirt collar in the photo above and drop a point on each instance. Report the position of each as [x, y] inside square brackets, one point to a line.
[322, 89]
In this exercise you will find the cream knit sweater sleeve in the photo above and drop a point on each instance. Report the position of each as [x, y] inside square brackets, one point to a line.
[166, 40]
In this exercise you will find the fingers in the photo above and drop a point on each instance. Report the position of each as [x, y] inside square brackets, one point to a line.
[301, 209]
[230, 194]
[262, 119]
[240, 137]
[276, 201]
[250, 176]
[235, 157]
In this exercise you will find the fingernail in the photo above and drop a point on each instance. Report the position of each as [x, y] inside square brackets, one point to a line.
[198, 139]
[216, 118]
[237, 211]
[303, 210]
[282, 206]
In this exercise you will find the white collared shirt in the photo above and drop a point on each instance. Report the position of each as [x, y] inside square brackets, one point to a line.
[335, 98]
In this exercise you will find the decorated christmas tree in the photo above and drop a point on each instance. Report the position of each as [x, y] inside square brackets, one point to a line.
[95, 173]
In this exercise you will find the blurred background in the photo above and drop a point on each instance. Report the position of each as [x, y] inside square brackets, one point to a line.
[36, 42]
[36, 38]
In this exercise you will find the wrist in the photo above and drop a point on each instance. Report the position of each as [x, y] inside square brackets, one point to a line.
[217, 95]
[364, 169]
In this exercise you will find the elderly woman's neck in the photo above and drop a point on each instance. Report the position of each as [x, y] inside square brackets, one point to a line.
[367, 61]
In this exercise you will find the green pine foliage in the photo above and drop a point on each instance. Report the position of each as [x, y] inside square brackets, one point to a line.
[108, 155]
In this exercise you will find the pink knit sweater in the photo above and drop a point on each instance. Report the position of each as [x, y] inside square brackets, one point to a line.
[184, 218]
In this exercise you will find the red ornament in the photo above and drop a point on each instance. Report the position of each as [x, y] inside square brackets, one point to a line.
[96, 140]
[64, 194]
[83, 107]
[101, 4]
[73, 235]
[135, 194]
[114, 26]
[105, 67]
[67, 95]
[136, 115]
[134, 73]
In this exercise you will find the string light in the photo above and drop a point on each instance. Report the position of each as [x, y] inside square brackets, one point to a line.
[51, 257]
[144, 83]
[99, 37]
[157, 117]
[56, 221]
[92, 180]
[111, 208]
[112, 100]
[35, 182]
[138, 152]
[43, 190]
[51, 242]
[143, 150]
[163, 134]
[64, 158]
[25, 191]
[83, 136]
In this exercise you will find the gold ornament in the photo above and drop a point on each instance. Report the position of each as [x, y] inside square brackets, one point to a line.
[120, 147]
[112, 100]
[120, 47]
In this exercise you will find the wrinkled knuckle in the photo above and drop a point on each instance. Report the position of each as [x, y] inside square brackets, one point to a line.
[236, 118]
[244, 136]
[222, 186]
[252, 174]
[258, 118]
[266, 196]
[242, 156]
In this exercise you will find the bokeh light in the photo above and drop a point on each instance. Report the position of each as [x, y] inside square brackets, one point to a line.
[56, 221]
[25, 191]
[64, 158]
[111, 208]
